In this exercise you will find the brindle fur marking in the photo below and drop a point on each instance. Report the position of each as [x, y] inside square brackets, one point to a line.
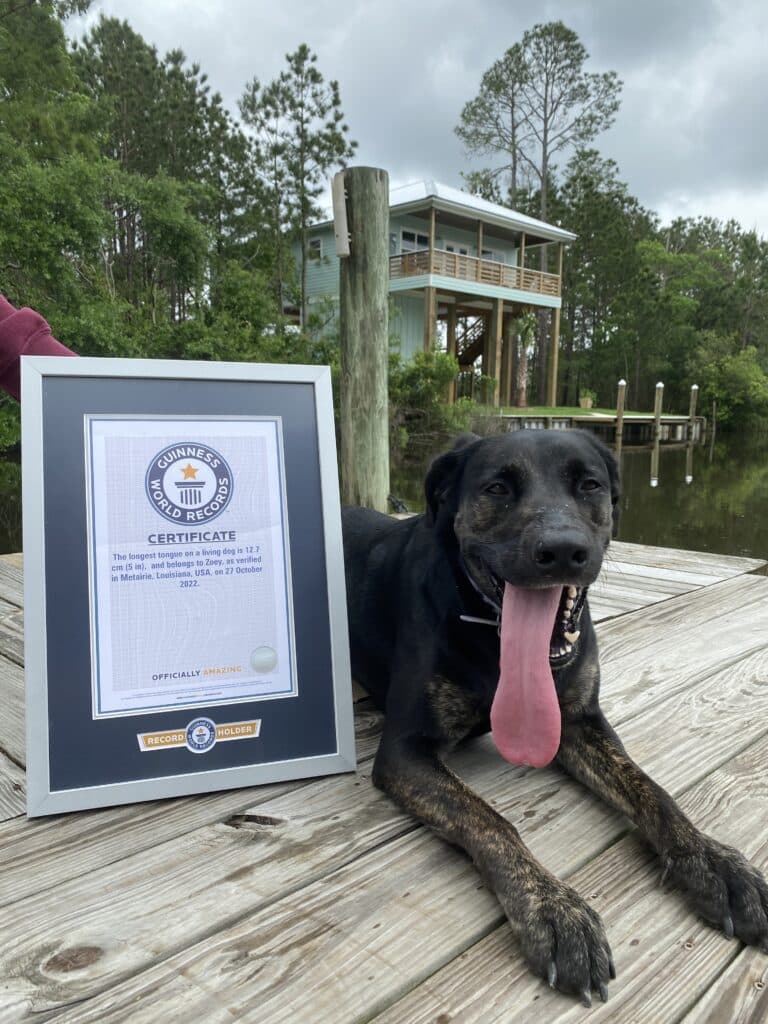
[533, 509]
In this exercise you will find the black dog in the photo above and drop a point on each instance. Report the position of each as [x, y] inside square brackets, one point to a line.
[515, 531]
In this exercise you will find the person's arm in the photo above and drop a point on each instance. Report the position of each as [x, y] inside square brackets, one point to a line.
[23, 332]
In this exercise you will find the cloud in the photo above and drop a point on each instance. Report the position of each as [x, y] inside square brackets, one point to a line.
[688, 137]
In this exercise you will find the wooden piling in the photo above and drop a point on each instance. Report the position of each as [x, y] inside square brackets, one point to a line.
[656, 434]
[692, 411]
[364, 332]
[619, 430]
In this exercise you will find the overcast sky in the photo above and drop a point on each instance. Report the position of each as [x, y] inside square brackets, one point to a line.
[690, 139]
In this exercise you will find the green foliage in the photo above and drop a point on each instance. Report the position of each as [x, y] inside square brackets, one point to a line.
[417, 397]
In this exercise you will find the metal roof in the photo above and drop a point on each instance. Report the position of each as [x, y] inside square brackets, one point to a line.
[423, 194]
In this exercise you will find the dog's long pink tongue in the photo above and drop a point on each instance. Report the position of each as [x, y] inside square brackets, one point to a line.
[525, 716]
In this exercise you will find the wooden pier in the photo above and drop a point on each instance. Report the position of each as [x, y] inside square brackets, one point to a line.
[638, 428]
[320, 903]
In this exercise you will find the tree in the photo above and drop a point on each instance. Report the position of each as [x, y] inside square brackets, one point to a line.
[536, 103]
[496, 121]
[300, 137]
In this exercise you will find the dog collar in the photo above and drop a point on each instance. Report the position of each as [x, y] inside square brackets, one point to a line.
[483, 622]
[474, 618]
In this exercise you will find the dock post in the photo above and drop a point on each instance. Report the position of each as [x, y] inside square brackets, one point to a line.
[692, 412]
[619, 429]
[364, 341]
[691, 434]
[656, 434]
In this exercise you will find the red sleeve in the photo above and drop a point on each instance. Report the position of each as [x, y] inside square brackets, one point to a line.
[23, 333]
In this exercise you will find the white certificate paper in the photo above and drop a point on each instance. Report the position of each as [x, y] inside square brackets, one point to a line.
[190, 596]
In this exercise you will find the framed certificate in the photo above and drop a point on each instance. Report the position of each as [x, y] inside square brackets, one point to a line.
[185, 613]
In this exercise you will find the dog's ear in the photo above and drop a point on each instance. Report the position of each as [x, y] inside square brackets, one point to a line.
[613, 476]
[443, 474]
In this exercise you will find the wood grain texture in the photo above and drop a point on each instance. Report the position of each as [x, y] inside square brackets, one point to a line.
[12, 740]
[12, 580]
[738, 996]
[12, 790]
[394, 915]
[46, 852]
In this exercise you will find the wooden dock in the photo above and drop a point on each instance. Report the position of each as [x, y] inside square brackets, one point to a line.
[320, 903]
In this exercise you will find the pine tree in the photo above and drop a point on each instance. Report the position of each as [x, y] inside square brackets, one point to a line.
[300, 137]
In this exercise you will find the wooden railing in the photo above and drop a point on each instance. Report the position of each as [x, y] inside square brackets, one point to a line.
[470, 268]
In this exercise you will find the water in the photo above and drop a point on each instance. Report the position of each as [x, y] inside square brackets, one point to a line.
[724, 509]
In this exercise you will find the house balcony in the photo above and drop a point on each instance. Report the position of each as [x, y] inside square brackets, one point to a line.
[470, 268]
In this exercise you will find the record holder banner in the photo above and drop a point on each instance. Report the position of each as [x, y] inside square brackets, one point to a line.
[185, 614]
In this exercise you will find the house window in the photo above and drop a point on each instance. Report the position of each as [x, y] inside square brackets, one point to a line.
[410, 241]
[315, 249]
[462, 250]
[493, 254]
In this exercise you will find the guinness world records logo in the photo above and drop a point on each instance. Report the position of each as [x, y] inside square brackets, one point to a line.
[201, 735]
[188, 482]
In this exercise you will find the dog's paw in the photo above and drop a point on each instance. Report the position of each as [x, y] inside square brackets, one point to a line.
[723, 887]
[564, 941]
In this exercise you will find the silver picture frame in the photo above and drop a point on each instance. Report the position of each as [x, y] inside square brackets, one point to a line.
[71, 765]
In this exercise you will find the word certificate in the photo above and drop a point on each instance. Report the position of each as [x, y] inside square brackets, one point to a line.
[189, 563]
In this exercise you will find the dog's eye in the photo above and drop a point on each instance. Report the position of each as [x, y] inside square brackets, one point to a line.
[498, 488]
[589, 484]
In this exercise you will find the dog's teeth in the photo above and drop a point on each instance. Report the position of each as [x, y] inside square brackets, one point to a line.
[569, 604]
[568, 648]
[571, 591]
[572, 637]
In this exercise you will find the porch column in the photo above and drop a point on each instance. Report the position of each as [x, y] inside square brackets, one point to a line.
[507, 361]
[430, 317]
[555, 344]
[554, 352]
[432, 232]
[479, 239]
[451, 347]
[496, 326]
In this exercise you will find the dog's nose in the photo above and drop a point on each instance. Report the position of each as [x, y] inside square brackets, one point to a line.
[561, 552]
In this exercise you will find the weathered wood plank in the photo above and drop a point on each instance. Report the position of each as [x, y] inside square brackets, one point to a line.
[12, 581]
[351, 944]
[669, 648]
[695, 562]
[12, 740]
[739, 996]
[12, 635]
[685, 641]
[46, 852]
[665, 957]
[414, 892]
[12, 790]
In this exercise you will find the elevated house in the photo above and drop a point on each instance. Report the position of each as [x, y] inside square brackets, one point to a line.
[462, 269]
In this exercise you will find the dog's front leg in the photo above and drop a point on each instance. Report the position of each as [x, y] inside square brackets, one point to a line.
[720, 883]
[561, 936]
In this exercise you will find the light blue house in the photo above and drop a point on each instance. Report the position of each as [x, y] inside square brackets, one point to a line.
[462, 270]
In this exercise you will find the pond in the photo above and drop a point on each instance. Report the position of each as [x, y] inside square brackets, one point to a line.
[724, 509]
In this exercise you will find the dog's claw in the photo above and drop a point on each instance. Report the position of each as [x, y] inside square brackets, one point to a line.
[728, 926]
[586, 998]
[603, 992]
[667, 867]
[552, 974]
[611, 968]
